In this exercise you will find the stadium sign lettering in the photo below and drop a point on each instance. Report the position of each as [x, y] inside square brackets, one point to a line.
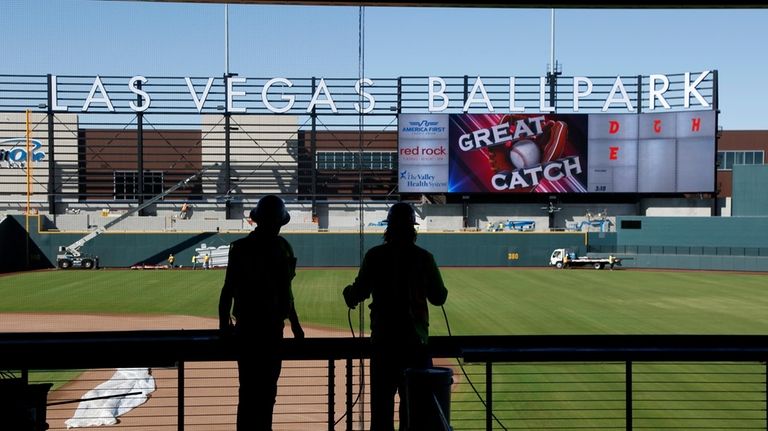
[273, 95]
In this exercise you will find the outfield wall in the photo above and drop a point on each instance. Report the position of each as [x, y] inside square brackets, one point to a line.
[700, 243]
[749, 195]
[315, 249]
[17, 252]
[696, 243]
[692, 231]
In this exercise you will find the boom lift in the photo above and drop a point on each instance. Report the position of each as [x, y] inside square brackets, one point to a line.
[70, 256]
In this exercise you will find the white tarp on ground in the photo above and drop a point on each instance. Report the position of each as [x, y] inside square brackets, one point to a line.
[106, 411]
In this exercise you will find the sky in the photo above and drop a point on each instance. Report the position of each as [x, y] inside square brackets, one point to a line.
[127, 38]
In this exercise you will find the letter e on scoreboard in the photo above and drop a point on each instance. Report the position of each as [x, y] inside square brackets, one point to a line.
[613, 153]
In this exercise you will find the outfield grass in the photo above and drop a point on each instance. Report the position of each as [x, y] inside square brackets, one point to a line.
[481, 301]
[494, 301]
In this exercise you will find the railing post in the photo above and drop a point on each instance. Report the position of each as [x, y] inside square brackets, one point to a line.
[180, 391]
[331, 394]
[489, 396]
[349, 394]
[227, 149]
[628, 396]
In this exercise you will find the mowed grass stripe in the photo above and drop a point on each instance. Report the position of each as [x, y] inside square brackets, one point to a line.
[481, 301]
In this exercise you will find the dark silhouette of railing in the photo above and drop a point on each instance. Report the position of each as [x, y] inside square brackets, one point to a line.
[522, 382]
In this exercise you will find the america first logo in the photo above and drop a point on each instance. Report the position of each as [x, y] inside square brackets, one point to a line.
[424, 127]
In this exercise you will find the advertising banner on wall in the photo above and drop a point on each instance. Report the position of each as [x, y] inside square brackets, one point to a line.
[423, 153]
[557, 153]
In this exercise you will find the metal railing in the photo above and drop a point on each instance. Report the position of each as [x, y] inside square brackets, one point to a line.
[668, 382]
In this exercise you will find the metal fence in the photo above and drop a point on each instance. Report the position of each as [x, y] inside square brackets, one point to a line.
[500, 382]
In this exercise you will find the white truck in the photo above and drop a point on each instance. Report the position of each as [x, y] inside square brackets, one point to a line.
[70, 256]
[564, 258]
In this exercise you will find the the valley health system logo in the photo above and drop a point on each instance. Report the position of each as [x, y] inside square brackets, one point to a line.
[423, 153]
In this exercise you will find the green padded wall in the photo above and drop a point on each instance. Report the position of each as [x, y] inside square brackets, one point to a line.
[322, 249]
[694, 231]
[749, 190]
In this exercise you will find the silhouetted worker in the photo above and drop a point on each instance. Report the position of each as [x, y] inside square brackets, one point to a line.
[258, 283]
[401, 277]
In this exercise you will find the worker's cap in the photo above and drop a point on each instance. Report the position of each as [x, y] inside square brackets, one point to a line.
[401, 214]
[270, 211]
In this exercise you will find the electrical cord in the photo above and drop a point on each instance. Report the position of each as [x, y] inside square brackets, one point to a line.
[360, 391]
[466, 376]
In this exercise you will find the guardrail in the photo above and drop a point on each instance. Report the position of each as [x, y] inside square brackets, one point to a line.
[501, 382]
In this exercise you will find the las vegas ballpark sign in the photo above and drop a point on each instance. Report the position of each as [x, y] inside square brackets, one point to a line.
[281, 95]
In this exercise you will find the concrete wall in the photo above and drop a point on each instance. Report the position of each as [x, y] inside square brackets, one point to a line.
[676, 207]
[13, 181]
[438, 218]
[334, 216]
[263, 153]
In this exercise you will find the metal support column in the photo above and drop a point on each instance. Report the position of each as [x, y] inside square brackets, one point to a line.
[399, 95]
[552, 81]
[349, 394]
[489, 396]
[331, 394]
[51, 154]
[466, 89]
[313, 154]
[227, 153]
[180, 402]
[465, 211]
[716, 107]
[140, 150]
[628, 396]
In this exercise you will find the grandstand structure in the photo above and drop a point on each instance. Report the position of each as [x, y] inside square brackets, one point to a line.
[101, 145]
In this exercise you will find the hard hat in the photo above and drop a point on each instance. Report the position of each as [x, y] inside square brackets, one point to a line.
[401, 213]
[270, 211]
